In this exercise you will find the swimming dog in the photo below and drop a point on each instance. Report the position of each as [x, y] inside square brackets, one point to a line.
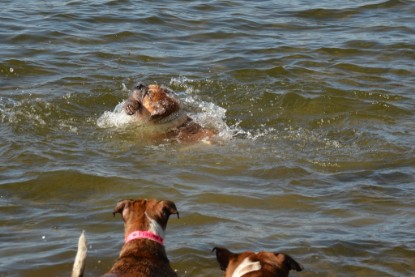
[157, 107]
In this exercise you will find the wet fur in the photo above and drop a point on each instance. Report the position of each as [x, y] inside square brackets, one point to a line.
[157, 106]
[139, 257]
[143, 257]
[271, 264]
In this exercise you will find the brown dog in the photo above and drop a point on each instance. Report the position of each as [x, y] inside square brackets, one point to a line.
[250, 264]
[156, 106]
[143, 253]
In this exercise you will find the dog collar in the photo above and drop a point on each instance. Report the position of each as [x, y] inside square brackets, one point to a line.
[144, 235]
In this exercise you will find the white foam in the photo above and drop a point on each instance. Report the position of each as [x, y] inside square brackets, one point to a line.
[209, 115]
[206, 114]
[116, 118]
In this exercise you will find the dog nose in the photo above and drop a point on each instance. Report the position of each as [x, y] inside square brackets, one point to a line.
[140, 86]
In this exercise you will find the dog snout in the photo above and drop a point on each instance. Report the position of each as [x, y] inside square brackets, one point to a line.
[140, 91]
[140, 86]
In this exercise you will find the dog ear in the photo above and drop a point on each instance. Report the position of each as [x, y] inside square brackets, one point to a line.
[165, 208]
[160, 211]
[169, 208]
[119, 208]
[289, 262]
[223, 257]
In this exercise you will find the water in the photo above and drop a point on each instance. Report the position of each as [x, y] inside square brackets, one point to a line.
[314, 102]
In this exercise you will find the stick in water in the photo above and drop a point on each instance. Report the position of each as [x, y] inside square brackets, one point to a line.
[79, 264]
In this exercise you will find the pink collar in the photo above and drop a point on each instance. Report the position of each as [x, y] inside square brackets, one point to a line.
[144, 235]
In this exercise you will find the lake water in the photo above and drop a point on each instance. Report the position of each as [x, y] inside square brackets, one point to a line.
[314, 105]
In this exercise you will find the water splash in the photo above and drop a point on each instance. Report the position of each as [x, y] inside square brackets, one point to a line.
[115, 119]
[207, 114]
[31, 110]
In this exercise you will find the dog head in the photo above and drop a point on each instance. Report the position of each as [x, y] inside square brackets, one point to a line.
[262, 264]
[146, 214]
[151, 102]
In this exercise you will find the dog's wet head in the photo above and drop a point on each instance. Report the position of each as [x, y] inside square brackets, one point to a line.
[152, 102]
[139, 214]
[258, 264]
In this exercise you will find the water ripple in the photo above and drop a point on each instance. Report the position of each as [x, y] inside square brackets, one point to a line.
[315, 100]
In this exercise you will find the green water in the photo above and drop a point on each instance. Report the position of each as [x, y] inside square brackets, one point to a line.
[313, 102]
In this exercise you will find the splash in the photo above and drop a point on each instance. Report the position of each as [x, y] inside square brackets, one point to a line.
[115, 119]
[207, 114]
[30, 110]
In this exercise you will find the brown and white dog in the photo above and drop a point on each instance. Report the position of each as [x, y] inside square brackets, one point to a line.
[250, 264]
[156, 106]
[143, 253]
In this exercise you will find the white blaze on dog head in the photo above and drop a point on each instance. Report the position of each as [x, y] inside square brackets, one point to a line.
[245, 267]
[255, 264]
